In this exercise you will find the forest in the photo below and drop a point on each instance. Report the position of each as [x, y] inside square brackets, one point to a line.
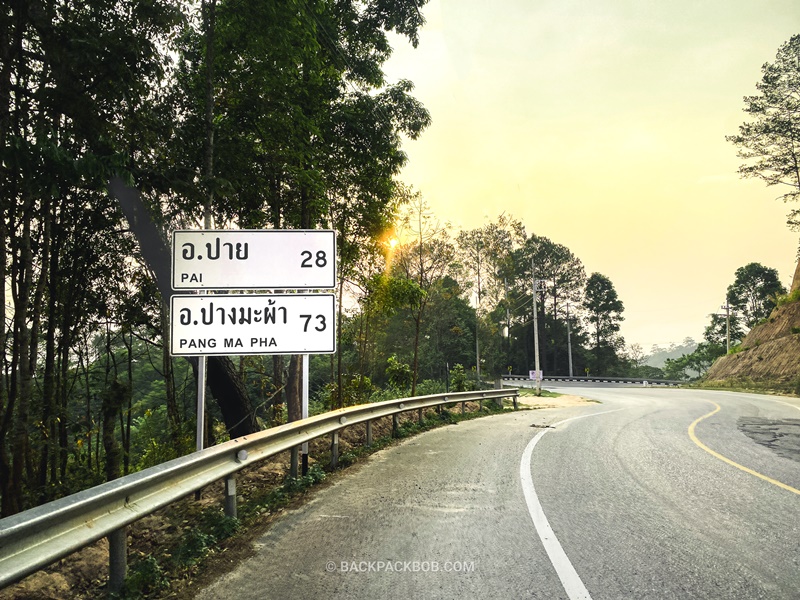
[238, 114]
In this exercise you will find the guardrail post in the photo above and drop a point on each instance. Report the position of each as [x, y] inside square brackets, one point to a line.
[117, 559]
[515, 401]
[230, 496]
[335, 450]
[395, 426]
[369, 434]
[463, 407]
[419, 417]
[294, 462]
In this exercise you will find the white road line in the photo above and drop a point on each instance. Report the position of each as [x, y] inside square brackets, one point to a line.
[566, 572]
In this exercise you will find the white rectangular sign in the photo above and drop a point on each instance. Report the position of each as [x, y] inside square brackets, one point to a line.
[231, 324]
[254, 259]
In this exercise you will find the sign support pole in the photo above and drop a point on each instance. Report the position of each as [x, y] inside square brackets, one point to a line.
[304, 413]
[201, 401]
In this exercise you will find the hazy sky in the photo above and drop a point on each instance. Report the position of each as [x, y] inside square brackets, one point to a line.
[601, 125]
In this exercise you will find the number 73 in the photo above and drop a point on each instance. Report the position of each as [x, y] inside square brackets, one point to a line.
[321, 325]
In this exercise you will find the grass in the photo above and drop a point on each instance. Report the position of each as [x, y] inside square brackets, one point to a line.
[532, 392]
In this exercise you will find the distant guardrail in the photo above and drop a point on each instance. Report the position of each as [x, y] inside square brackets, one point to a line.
[597, 379]
[38, 537]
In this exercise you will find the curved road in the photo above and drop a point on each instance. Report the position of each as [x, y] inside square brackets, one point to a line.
[651, 493]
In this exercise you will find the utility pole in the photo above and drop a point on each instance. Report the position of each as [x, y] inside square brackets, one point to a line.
[536, 331]
[508, 324]
[477, 343]
[727, 308]
[569, 342]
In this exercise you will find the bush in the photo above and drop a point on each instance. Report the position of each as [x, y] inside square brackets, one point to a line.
[145, 578]
[399, 374]
[788, 298]
[458, 379]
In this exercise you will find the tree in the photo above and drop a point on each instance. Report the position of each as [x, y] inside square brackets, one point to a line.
[718, 330]
[604, 312]
[771, 139]
[753, 292]
[75, 96]
[564, 278]
[425, 261]
[307, 133]
[486, 258]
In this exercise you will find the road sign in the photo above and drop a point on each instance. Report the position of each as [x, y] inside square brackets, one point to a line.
[254, 259]
[221, 325]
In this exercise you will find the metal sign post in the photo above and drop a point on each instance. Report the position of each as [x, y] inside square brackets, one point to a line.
[304, 414]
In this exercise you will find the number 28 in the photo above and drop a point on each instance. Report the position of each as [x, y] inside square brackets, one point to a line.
[310, 261]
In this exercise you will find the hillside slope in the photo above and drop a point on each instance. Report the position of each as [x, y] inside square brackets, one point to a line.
[770, 352]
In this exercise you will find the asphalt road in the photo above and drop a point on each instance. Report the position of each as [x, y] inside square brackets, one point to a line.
[646, 494]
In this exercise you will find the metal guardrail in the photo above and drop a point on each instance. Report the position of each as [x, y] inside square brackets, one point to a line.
[632, 380]
[35, 538]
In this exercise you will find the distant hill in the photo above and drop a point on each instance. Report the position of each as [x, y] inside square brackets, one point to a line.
[658, 354]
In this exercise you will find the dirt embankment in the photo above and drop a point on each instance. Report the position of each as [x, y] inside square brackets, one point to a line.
[770, 352]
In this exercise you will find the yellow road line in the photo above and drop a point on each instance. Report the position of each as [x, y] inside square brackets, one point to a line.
[728, 460]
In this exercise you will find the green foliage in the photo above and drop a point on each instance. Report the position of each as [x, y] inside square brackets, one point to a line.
[604, 309]
[458, 379]
[399, 374]
[149, 443]
[694, 365]
[146, 578]
[754, 291]
[769, 139]
[720, 327]
[647, 372]
[784, 299]
[195, 545]
[428, 387]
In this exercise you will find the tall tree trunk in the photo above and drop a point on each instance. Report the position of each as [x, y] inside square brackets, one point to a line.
[174, 419]
[415, 367]
[49, 446]
[6, 62]
[5, 405]
[277, 381]
[294, 388]
[231, 395]
[22, 378]
[113, 398]
[339, 378]
[209, 9]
